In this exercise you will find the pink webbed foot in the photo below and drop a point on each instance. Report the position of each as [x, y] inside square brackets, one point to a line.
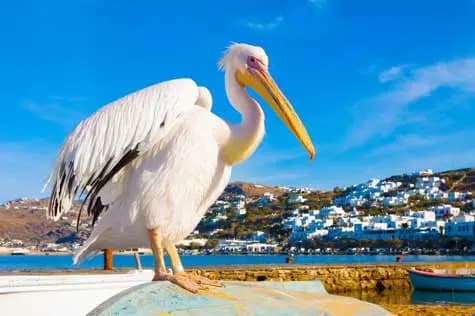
[181, 279]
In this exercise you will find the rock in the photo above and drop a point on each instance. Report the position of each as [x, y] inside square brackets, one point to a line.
[430, 310]
[335, 278]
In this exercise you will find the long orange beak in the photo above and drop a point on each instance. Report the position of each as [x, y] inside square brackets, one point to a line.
[262, 82]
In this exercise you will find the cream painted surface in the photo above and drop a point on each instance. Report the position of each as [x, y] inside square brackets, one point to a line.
[72, 295]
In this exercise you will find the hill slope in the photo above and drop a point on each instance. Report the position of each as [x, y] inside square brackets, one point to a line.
[251, 189]
[26, 220]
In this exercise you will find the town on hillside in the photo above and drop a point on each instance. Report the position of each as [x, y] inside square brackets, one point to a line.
[422, 212]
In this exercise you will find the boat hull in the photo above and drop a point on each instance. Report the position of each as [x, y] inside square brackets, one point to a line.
[429, 281]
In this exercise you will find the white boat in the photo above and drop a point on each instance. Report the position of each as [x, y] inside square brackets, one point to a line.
[19, 252]
[59, 294]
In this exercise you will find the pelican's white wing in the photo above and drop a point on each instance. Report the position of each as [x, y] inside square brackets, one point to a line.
[103, 144]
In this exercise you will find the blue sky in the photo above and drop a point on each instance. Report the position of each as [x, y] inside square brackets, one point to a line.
[384, 87]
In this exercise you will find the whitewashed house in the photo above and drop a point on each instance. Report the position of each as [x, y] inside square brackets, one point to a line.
[258, 236]
[331, 212]
[445, 210]
[456, 196]
[239, 207]
[295, 198]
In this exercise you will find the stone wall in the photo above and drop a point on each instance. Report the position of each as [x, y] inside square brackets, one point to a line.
[336, 279]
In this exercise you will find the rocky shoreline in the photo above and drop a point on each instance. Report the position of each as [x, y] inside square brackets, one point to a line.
[336, 278]
[430, 310]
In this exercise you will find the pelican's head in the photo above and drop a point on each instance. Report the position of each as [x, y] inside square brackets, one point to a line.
[250, 65]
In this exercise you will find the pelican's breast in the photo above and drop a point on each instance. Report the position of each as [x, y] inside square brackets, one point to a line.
[176, 182]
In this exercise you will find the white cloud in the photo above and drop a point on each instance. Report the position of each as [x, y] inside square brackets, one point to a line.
[263, 26]
[380, 115]
[391, 74]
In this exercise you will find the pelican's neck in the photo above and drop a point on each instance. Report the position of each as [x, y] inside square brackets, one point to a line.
[246, 136]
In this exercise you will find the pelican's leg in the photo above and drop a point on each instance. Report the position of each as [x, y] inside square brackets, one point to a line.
[157, 249]
[180, 274]
[160, 268]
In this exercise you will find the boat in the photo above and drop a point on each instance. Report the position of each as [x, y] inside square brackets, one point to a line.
[432, 281]
[19, 252]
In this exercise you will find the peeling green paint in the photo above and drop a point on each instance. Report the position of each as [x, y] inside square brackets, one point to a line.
[236, 298]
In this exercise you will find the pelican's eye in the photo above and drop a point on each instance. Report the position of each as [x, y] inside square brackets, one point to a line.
[252, 62]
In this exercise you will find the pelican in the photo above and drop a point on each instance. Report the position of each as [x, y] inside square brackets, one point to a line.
[149, 165]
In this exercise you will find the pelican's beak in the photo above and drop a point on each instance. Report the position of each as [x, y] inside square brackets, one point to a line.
[261, 81]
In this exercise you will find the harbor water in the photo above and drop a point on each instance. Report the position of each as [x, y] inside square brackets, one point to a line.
[59, 262]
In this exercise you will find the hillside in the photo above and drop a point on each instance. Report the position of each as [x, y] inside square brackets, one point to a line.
[25, 219]
[251, 189]
[24, 223]
[462, 180]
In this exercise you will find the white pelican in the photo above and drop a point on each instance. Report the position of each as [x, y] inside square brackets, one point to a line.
[156, 161]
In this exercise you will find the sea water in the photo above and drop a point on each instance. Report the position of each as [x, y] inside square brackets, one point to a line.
[61, 262]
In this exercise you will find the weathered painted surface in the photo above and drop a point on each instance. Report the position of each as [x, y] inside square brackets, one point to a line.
[236, 298]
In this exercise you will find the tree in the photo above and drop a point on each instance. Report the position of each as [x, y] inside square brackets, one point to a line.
[195, 245]
[211, 243]
[337, 190]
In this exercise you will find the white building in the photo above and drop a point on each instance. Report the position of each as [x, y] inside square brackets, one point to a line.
[222, 205]
[391, 201]
[201, 242]
[232, 245]
[265, 199]
[445, 210]
[239, 207]
[331, 212]
[364, 193]
[295, 198]
[425, 215]
[456, 196]
[258, 236]
[260, 247]
[424, 173]
[219, 217]
[428, 182]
